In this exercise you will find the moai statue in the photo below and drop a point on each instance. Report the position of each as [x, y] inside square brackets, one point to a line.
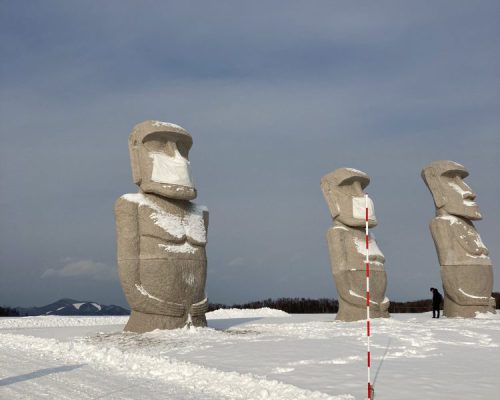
[161, 235]
[343, 191]
[466, 269]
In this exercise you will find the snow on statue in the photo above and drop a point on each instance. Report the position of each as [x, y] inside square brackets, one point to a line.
[343, 191]
[161, 235]
[466, 268]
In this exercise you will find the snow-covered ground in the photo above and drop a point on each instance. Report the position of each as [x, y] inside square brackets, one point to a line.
[249, 354]
[231, 313]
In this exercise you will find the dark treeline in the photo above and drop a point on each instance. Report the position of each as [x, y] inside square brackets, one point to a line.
[316, 306]
[290, 305]
[8, 312]
[415, 306]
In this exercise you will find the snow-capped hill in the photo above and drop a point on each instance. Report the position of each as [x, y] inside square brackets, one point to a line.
[73, 307]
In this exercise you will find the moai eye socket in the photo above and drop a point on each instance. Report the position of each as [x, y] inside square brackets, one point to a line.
[160, 143]
[155, 142]
[352, 187]
[183, 148]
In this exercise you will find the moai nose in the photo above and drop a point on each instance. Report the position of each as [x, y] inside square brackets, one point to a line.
[357, 187]
[170, 148]
[470, 196]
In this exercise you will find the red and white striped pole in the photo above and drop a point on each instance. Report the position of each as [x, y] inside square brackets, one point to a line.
[367, 262]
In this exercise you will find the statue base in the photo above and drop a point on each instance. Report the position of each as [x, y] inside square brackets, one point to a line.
[141, 322]
[349, 312]
[454, 310]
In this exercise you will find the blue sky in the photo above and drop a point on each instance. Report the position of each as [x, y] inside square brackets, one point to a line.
[275, 94]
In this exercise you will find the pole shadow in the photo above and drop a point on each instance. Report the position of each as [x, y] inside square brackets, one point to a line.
[223, 324]
[382, 361]
[38, 374]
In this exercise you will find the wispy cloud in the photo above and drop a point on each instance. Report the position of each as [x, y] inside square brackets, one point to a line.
[236, 262]
[83, 269]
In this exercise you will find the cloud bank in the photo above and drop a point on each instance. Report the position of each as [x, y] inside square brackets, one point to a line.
[274, 98]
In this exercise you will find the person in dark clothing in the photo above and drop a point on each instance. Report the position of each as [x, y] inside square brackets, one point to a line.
[436, 302]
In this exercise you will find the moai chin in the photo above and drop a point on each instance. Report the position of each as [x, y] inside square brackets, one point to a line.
[343, 192]
[466, 268]
[161, 235]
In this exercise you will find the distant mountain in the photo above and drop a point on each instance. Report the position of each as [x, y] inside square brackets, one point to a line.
[73, 307]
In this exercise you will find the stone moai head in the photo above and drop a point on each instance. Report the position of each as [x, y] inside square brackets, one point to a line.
[445, 180]
[343, 191]
[159, 158]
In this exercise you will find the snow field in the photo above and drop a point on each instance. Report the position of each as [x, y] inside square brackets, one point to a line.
[247, 313]
[297, 357]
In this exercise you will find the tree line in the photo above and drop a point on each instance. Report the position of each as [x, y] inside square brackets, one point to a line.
[8, 312]
[301, 305]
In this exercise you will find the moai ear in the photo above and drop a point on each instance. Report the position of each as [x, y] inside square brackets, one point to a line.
[332, 204]
[431, 179]
[135, 162]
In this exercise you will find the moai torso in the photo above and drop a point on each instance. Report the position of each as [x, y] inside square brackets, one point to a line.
[347, 247]
[171, 248]
[458, 242]
[466, 268]
[161, 251]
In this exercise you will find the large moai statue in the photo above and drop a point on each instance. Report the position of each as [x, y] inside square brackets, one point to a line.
[466, 269]
[343, 191]
[161, 235]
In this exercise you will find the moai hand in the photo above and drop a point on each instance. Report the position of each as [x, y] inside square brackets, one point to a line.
[466, 268]
[161, 235]
[343, 192]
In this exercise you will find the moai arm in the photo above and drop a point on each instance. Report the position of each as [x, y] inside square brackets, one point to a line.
[344, 284]
[340, 260]
[127, 235]
[205, 223]
[440, 232]
[201, 307]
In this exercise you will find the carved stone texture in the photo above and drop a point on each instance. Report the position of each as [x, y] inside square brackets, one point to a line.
[161, 235]
[466, 268]
[343, 192]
